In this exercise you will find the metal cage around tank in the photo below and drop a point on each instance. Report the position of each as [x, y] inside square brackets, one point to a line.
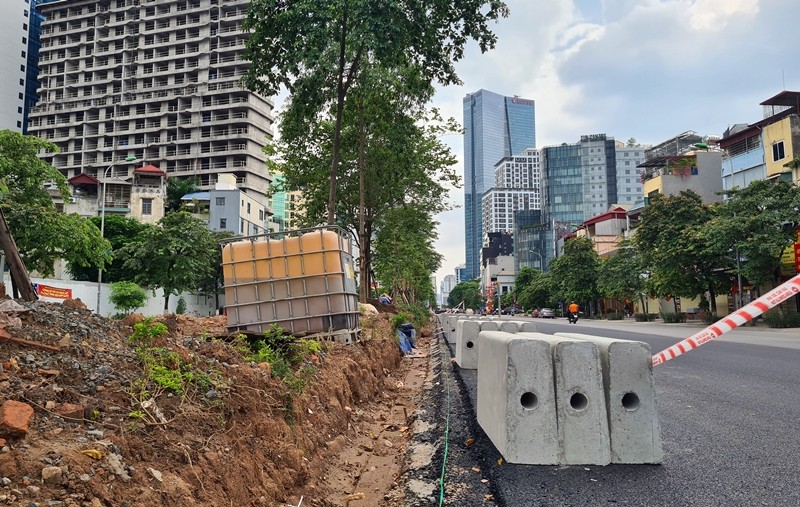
[302, 280]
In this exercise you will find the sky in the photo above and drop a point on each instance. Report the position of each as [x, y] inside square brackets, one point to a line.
[647, 69]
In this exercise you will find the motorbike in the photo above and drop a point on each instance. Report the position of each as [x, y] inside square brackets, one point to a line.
[572, 317]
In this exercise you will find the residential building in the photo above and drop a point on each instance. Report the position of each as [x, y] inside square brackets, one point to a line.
[683, 163]
[157, 82]
[445, 287]
[227, 208]
[495, 126]
[15, 19]
[628, 174]
[606, 230]
[517, 187]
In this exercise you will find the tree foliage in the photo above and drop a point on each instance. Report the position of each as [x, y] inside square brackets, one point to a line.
[177, 255]
[758, 223]
[127, 296]
[177, 188]
[468, 293]
[405, 254]
[42, 233]
[317, 50]
[574, 273]
[674, 244]
[118, 231]
[537, 293]
[621, 276]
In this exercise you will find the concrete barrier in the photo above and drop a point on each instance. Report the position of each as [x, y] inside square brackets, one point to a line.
[516, 397]
[467, 340]
[580, 401]
[631, 400]
[517, 326]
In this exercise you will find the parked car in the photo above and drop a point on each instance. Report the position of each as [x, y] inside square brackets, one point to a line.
[510, 310]
[547, 313]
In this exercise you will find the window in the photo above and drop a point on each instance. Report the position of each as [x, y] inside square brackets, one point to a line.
[778, 151]
[147, 206]
[223, 222]
[220, 202]
[248, 208]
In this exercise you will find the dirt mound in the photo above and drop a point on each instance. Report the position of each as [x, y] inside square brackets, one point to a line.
[103, 433]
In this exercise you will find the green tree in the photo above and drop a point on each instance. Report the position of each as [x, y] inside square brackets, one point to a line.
[316, 49]
[390, 154]
[177, 188]
[43, 234]
[673, 242]
[405, 254]
[758, 223]
[118, 232]
[468, 293]
[127, 296]
[621, 276]
[177, 255]
[538, 292]
[575, 272]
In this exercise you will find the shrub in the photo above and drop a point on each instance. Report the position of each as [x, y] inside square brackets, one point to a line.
[615, 316]
[709, 318]
[127, 296]
[673, 318]
[399, 319]
[643, 317]
[146, 330]
[776, 318]
[181, 307]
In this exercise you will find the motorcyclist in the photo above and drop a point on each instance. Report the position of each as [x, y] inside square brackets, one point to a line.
[573, 311]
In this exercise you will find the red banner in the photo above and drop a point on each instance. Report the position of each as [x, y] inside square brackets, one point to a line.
[53, 292]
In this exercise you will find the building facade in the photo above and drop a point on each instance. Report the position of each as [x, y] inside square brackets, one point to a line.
[15, 19]
[517, 186]
[682, 163]
[495, 126]
[445, 287]
[129, 83]
[628, 175]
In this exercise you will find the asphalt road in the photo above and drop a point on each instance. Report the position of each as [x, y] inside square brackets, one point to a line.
[730, 422]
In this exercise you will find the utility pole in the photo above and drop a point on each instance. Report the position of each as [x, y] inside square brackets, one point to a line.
[19, 275]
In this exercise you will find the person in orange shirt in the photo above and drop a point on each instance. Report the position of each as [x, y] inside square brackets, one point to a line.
[573, 307]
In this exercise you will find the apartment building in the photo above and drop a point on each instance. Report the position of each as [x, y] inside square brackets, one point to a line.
[127, 84]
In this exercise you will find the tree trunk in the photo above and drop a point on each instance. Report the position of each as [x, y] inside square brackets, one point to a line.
[166, 302]
[713, 297]
[363, 264]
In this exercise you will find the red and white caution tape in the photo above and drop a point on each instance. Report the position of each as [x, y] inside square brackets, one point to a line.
[745, 314]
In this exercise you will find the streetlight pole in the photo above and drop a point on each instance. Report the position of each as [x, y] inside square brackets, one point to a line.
[541, 261]
[129, 158]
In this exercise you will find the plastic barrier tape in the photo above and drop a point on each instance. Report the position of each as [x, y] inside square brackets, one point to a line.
[741, 316]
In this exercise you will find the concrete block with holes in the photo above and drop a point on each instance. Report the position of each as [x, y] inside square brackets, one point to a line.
[631, 399]
[467, 343]
[516, 402]
[580, 400]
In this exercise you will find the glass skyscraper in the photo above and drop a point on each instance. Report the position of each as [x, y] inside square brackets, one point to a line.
[495, 126]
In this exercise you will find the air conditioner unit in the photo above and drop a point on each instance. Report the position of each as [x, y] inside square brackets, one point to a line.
[73, 200]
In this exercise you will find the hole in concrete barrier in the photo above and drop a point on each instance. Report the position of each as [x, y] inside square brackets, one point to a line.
[578, 401]
[529, 400]
[470, 344]
[630, 401]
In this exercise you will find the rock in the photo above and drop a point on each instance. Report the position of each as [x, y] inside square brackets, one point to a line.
[85, 478]
[6, 481]
[95, 433]
[367, 309]
[115, 463]
[156, 474]
[70, 411]
[3, 442]
[52, 475]
[14, 418]
[33, 490]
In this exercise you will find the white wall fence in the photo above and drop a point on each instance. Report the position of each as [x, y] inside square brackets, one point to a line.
[197, 305]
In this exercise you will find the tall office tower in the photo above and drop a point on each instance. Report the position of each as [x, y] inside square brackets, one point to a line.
[495, 126]
[461, 273]
[517, 186]
[14, 26]
[157, 80]
[629, 177]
